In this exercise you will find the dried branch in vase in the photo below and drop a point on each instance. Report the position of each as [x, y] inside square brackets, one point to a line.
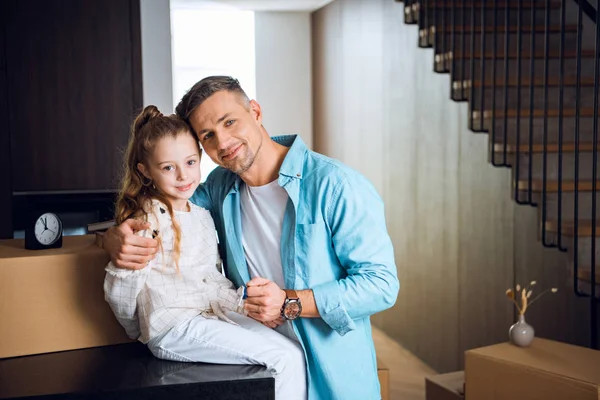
[521, 296]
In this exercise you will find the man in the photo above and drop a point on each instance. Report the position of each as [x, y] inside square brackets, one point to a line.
[304, 233]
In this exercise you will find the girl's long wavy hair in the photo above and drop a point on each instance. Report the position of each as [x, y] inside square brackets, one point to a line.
[137, 191]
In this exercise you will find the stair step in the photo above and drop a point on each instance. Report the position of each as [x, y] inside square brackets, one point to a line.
[537, 113]
[461, 88]
[522, 97]
[462, 69]
[465, 35]
[411, 12]
[444, 15]
[499, 4]
[585, 274]
[585, 53]
[585, 203]
[584, 228]
[558, 166]
[551, 131]
[466, 29]
[513, 55]
[552, 186]
[550, 147]
[525, 82]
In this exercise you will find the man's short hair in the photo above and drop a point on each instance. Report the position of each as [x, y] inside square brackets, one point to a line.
[205, 88]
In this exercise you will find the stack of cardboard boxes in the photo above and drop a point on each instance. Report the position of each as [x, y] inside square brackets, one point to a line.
[546, 370]
[53, 300]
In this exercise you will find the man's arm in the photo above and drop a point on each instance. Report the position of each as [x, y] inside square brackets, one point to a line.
[126, 249]
[363, 247]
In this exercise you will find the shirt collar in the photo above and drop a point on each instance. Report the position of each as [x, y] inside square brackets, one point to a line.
[293, 163]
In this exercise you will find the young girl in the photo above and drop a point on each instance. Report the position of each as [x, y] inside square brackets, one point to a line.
[180, 305]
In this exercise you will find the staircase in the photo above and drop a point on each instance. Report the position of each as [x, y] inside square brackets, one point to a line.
[529, 71]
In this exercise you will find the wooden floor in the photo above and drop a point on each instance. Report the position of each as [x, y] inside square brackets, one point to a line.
[407, 372]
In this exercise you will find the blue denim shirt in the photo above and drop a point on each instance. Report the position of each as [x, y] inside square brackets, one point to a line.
[334, 241]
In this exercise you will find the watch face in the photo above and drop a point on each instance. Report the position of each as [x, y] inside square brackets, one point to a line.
[48, 229]
[292, 310]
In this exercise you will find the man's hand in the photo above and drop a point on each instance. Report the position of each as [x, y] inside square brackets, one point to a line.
[264, 301]
[126, 249]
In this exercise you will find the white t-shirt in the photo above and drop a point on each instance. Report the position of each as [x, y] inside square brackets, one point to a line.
[263, 209]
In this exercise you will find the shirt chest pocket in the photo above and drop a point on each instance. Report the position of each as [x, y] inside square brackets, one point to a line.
[315, 257]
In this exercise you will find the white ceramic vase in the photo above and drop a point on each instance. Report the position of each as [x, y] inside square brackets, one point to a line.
[521, 333]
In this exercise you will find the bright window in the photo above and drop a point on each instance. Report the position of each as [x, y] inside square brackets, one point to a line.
[211, 41]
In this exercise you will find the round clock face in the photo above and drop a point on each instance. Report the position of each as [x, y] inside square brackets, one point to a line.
[47, 229]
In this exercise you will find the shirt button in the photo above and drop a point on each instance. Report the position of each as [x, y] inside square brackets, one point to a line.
[298, 175]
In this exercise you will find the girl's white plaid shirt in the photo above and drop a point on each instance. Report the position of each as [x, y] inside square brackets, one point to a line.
[149, 301]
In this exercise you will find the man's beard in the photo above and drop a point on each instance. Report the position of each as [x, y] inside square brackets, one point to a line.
[239, 167]
[245, 164]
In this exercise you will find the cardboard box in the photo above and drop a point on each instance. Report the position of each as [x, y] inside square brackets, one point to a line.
[53, 300]
[546, 370]
[383, 373]
[449, 386]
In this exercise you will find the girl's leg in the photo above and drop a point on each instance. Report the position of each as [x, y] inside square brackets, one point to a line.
[218, 342]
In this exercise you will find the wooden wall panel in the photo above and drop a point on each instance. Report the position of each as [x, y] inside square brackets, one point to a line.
[423, 193]
[326, 27]
[486, 247]
[74, 83]
[6, 231]
[352, 64]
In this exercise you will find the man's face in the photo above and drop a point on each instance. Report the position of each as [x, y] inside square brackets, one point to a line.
[229, 132]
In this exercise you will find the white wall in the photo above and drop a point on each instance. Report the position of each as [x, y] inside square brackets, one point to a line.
[283, 66]
[283, 72]
[156, 54]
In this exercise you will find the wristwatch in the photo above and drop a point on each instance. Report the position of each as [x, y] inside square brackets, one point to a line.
[292, 307]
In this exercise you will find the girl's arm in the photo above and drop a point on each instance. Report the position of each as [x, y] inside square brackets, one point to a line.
[121, 288]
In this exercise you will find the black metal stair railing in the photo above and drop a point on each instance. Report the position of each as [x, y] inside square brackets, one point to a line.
[482, 58]
[517, 156]
[588, 9]
[462, 10]
[545, 240]
[472, 76]
[493, 140]
[505, 83]
[454, 20]
[576, 166]
[593, 302]
[593, 221]
[532, 58]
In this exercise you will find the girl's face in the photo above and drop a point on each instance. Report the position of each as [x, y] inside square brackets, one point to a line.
[174, 167]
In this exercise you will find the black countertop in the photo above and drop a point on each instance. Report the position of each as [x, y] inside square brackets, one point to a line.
[128, 371]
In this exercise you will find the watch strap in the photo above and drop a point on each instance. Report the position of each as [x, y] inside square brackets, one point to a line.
[290, 294]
